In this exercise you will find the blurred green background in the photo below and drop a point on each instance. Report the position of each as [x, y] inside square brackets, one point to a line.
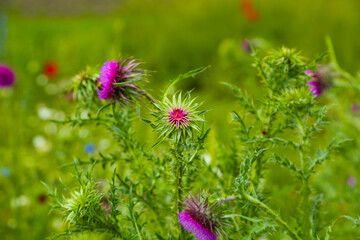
[171, 37]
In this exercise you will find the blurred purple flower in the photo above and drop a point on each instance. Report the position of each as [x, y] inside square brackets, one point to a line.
[7, 76]
[355, 108]
[351, 181]
[322, 79]
[318, 85]
[117, 80]
[245, 46]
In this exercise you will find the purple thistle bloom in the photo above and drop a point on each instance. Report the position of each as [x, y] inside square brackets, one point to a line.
[178, 117]
[245, 46]
[7, 76]
[318, 84]
[321, 79]
[116, 80]
[191, 224]
[355, 108]
[200, 218]
[351, 181]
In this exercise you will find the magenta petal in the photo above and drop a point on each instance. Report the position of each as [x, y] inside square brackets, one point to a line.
[313, 83]
[309, 72]
[190, 224]
[108, 73]
[7, 76]
[351, 181]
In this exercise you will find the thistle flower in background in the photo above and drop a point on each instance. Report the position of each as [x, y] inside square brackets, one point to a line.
[321, 80]
[355, 108]
[202, 219]
[42, 198]
[351, 181]
[178, 117]
[117, 78]
[245, 46]
[7, 76]
[51, 69]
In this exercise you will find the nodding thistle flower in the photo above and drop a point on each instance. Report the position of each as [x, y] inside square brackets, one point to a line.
[117, 78]
[202, 219]
[321, 80]
[178, 117]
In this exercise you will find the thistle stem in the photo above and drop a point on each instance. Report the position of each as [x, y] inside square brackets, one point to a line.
[271, 213]
[305, 190]
[179, 177]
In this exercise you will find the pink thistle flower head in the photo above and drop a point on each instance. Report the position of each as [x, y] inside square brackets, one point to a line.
[177, 118]
[355, 108]
[202, 219]
[117, 81]
[321, 80]
[7, 76]
[351, 181]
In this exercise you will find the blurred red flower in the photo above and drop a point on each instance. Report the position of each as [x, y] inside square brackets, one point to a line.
[42, 198]
[51, 69]
[246, 6]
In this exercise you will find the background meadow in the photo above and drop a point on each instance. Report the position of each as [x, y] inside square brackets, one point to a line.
[170, 37]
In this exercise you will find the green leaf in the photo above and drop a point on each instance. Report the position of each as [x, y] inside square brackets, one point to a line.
[191, 73]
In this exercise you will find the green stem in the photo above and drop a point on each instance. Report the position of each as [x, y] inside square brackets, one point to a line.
[136, 225]
[305, 190]
[271, 213]
[333, 59]
[179, 177]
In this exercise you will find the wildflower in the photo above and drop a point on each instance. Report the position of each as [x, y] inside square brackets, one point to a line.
[245, 46]
[89, 148]
[321, 80]
[201, 218]
[355, 108]
[248, 10]
[51, 69]
[351, 181]
[178, 117]
[7, 76]
[42, 198]
[117, 79]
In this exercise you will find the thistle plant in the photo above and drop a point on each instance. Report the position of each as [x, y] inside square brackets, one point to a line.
[149, 191]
